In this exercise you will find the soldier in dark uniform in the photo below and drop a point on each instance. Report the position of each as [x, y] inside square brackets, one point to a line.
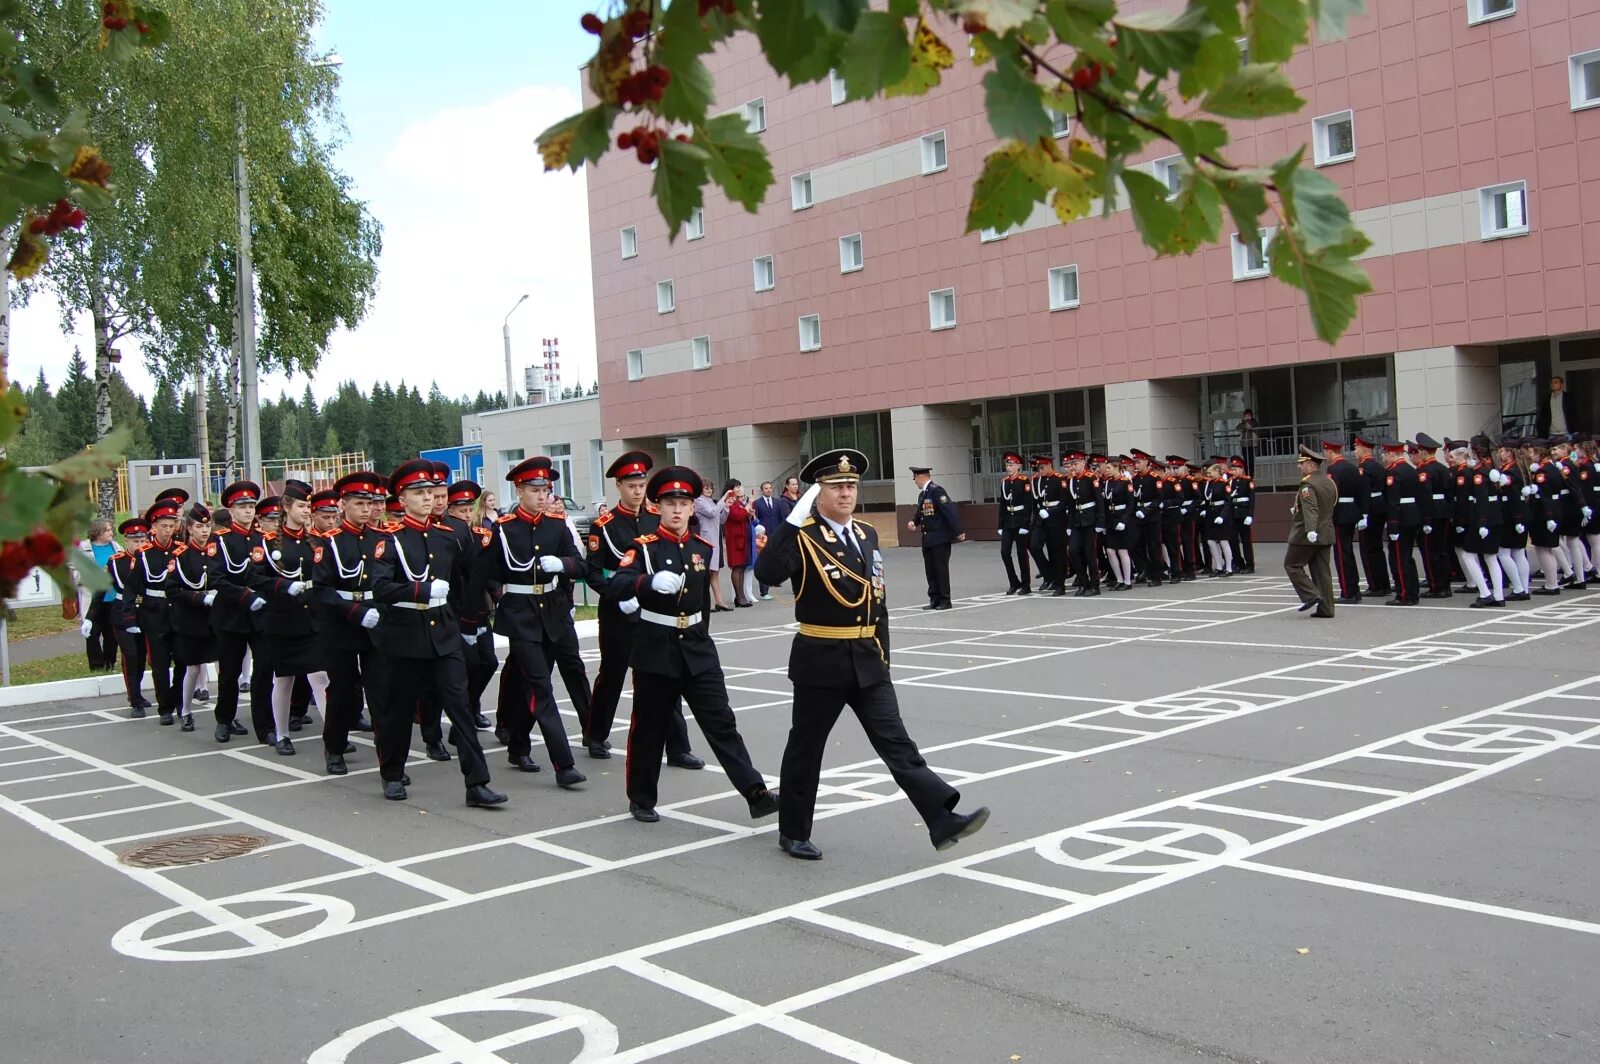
[610, 537]
[135, 532]
[236, 614]
[1434, 484]
[1121, 537]
[482, 661]
[471, 616]
[1048, 541]
[1147, 517]
[1513, 538]
[664, 579]
[1193, 551]
[1375, 516]
[527, 553]
[1311, 535]
[1347, 514]
[1475, 520]
[1016, 520]
[194, 643]
[150, 581]
[413, 568]
[1085, 513]
[282, 572]
[1216, 515]
[1244, 515]
[1174, 504]
[840, 656]
[936, 517]
[1545, 492]
[1401, 487]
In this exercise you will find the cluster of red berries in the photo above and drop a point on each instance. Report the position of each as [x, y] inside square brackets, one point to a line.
[647, 84]
[41, 548]
[113, 20]
[634, 23]
[63, 215]
[645, 142]
[727, 7]
[1087, 77]
[973, 24]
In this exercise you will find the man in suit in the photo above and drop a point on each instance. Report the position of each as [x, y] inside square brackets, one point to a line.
[1311, 536]
[1556, 416]
[770, 509]
[936, 517]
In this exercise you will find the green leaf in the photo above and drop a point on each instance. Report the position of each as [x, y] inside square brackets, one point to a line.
[929, 55]
[1274, 28]
[158, 27]
[1214, 60]
[735, 159]
[1156, 218]
[578, 139]
[1257, 90]
[679, 179]
[875, 56]
[796, 43]
[1331, 16]
[1079, 23]
[1006, 190]
[679, 46]
[91, 463]
[1197, 137]
[1244, 192]
[32, 185]
[1001, 16]
[838, 15]
[1015, 101]
[90, 574]
[1224, 15]
[1330, 278]
[13, 412]
[1161, 40]
[1199, 215]
[27, 496]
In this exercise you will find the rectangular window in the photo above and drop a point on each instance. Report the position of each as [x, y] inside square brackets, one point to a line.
[811, 332]
[511, 458]
[666, 299]
[934, 158]
[1060, 124]
[630, 242]
[1334, 138]
[836, 89]
[942, 309]
[1250, 255]
[850, 259]
[990, 234]
[695, 227]
[765, 277]
[1485, 10]
[1063, 288]
[755, 115]
[561, 458]
[635, 365]
[1169, 171]
[1503, 209]
[1584, 73]
[700, 346]
[800, 191]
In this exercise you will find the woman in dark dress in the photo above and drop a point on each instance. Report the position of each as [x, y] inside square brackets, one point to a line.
[194, 643]
[1116, 484]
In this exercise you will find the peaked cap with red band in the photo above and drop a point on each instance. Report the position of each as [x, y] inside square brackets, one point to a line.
[464, 491]
[419, 472]
[362, 484]
[325, 500]
[534, 471]
[674, 481]
[630, 464]
[162, 508]
[134, 526]
[271, 506]
[241, 491]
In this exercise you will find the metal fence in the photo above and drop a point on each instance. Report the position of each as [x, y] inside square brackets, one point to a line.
[319, 472]
[1271, 455]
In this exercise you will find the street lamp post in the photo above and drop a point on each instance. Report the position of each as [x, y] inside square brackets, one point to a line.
[505, 336]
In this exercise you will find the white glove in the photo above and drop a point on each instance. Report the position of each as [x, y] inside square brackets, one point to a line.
[1217, 521]
[1530, 490]
[1043, 512]
[1521, 528]
[1427, 530]
[439, 589]
[1549, 526]
[211, 596]
[296, 588]
[669, 583]
[1588, 514]
[1139, 514]
[1394, 537]
[1459, 530]
[1361, 525]
[1483, 532]
[550, 563]
[258, 604]
[802, 508]
[369, 620]
[1497, 477]
[469, 638]
[1099, 531]
[1000, 532]
[1248, 521]
[1121, 526]
[629, 605]
[86, 628]
[134, 631]
[1311, 537]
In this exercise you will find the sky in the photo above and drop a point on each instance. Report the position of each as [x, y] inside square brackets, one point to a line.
[441, 115]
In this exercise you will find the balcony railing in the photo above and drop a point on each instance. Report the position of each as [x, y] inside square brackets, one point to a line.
[1272, 456]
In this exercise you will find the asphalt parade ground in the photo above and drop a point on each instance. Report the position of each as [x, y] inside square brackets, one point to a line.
[1221, 831]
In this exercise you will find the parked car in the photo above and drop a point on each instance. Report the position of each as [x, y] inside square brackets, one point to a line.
[582, 518]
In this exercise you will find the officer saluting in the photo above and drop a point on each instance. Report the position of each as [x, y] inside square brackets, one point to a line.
[841, 655]
[936, 516]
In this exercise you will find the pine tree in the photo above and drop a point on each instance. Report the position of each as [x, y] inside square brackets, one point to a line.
[74, 420]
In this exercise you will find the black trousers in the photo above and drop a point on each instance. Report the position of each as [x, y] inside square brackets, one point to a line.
[1039, 550]
[655, 706]
[1403, 562]
[1147, 552]
[936, 565]
[616, 650]
[1014, 542]
[1244, 544]
[133, 663]
[164, 670]
[574, 676]
[1372, 559]
[347, 670]
[1344, 561]
[101, 646]
[482, 663]
[1082, 549]
[433, 682]
[230, 665]
[533, 701]
[1436, 555]
[1192, 551]
[816, 709]
[1172, 539]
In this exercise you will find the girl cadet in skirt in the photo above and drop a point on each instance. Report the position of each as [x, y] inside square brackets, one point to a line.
[194, 642]
[281, 573]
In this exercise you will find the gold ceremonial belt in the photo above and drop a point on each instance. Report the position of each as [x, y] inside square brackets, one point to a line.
[824, 631]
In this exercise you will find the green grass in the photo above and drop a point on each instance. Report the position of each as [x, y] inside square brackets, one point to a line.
[34, 621]
[587, 613]
[64, 667]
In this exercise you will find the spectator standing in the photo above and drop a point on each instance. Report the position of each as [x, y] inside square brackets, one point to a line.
[1246, 429]
[488, 509]
[770, 509]
[1556, 416]
[738, 521]
[709, 515]
[95, 606]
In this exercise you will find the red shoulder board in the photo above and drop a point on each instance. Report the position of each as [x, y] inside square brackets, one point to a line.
[179, 549]
[706, 541]
[378, 548]
[648, 537]
[316, 555]
[119, 554]
[651, 508]
[506, 517]
[594, 542]
[258, 555]
[603, 520]
[211, 550]
[627, 559]
[1477, 478]
[558, 513]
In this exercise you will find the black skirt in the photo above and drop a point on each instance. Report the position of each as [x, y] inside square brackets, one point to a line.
[296, 655]
[194, 649]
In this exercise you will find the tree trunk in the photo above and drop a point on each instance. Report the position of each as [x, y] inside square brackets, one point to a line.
[202, 429]
[106, 504]
[230, 440]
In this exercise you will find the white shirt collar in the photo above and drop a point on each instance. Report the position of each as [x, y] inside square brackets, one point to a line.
[848, 528]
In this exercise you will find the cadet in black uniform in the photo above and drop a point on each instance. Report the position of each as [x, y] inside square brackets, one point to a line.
[1216, 519]
[1475, 520]
[1401, 486]
[482, 661]
[1121, 537]
[1147, 516]
[664, 578]
[1347, 514]
[527, 553]
[150, 581]
[1244, 515]
[1085, 512]
[1513, 537]
[282, 572]
[1374, 518]
[194, 643]
[936, 517]
[1174, 504]
[125, 628]
[236, 613]
[840, 656]
[610, 537]
[1016, 520]
[1434, 485]
[1048, 542]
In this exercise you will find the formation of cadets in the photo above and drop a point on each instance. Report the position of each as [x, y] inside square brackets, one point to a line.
[1418, 514]
[381, 594]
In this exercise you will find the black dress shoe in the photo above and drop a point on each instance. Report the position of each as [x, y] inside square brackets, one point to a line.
[1309, 604]
[1397, 602]
[480, 722]
[362, 724]
[394, 790]
[336, 765]
[762, 803]
[1058, 592]
[202, 695]
[930, 606]
[295, 724]
[1080, 592]
[569, 777]
[597, 751]
[524, 764]
[801, 848]
[1012, 590]
[643, 813]
[188, 722]
[270, 739]
[405, 779]
[482, 795]
[686, 760]
[1497, 602]
[1536, 591]
[944, 606]
[285, 747]
[437, 752]
[1481, 603]
[954, 826]
[1442, 593]
[236, 728]
[244, 687]
[349, 748]
[1091, 592]
[166, 718]
[1519, 596]
[221, 733]
[1023, 591]
[502, 736]
[136, 711]
[1349, 600]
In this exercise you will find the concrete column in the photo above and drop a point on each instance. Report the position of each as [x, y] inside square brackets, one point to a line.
[701, 453]
[1159, 416]
[939, 437]
[1447, 391]
[764, 452]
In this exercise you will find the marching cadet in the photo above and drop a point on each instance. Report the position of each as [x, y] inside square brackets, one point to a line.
[1347, 514]
[1311, 535]
[236, 614]
[610, 537]
[1586, 480]
[1147, 516]
[1216, 498]
[1433, 497]
[413, 568]
[1244, 515]
[482, 662]
[1122, 528]
[936, 518]
[840, 656]
[1048, 540]
[1193, 551]
[342, 606]
[568, 654]
[1085, 511]
[1174, 504]
[527, 553]
[1573, 517]
[1475, 517]
[1016, 519]
[194, 643]
[472, 619]
[324, 512]
[1544, 491]
[269, 516]
[149, 583]
[1404, 520]
[664, 578]
[135, 532]
[1375, 516]
[1513, 536]
[282, 572]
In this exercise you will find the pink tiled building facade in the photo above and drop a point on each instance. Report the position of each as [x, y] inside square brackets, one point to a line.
[853, 309]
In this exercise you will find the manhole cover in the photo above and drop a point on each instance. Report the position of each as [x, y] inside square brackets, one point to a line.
[190, 849]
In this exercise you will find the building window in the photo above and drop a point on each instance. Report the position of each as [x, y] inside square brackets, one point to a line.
[630, 242]
[1060, 124]
[1584, 73]
[764, 275]
[635, 365]
[942, 309]
[934, 158]
[695, 227]
[1503, 209]
[511, 458]
[990, 234]
[836, 90]
[1334, 138]
[755, 115]
[1485, 10]
[1063, 288]
[850, 258]
[561, 458]
[1250, 256]
[811, 332]
[1169, 171]
[800, 191]
[700, 347]
[871, 434]
[666, 298]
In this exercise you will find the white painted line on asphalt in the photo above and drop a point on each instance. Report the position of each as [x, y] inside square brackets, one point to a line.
[82, 794]
[880, 935]
[1024, 886]
[1411, 759]
[49, 776]
[1259, 814]
[118, 812]
[162, 832]
[563, 852]
[1337, 785]
[1001, 745]
[1555, 716]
